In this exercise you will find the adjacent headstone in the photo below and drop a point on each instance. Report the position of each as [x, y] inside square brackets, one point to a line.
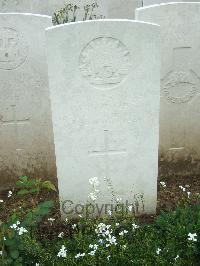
[26, 141]
[105, 103]
[87, 9]
[155, 2]
[180, 95]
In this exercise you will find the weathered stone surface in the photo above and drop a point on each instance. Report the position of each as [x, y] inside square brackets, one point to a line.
[105, 102]
[26, 142]
[106, 8]
[155, 2]
[180, 96]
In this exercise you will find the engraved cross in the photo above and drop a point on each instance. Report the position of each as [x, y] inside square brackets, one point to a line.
[16, 123]
[106, 152]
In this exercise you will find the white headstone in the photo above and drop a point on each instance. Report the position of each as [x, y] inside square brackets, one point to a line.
[26, 142]
[104, 8]
[105, 104]
[180, 84]
[155, 2]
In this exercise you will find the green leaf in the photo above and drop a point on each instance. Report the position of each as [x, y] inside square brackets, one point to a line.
[23, 178]
[11, 242]
[31, 183]
[48, 185]
[34, 190]
[23, 192]
[19, 183]
[14, 254]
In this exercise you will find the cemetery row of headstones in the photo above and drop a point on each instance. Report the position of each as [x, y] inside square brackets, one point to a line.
[104, 80]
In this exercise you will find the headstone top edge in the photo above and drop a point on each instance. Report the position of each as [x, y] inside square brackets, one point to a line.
[102, 21]
[25, 14]
[166, 4]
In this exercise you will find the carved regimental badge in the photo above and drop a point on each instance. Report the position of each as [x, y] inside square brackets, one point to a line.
[13, 49]
[180, 86]
[105, 62]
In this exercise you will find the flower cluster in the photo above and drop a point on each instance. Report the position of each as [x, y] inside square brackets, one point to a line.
[122, 233]
[63, 252]
[94, 249]
[105, 231]
[20, 230]
[95, 183]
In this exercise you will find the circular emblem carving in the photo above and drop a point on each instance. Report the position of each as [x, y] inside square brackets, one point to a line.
[180, 87]
[13, 49]
[105, 62]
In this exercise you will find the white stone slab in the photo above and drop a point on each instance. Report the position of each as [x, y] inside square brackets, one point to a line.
[180, 95]
[155, 2]
[105, 104]
[26, 142]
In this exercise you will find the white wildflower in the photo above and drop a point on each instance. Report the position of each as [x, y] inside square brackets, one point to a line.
[163, 184]
[176, 257]
[135, 226]
[112, 240]
[130, 208]
[182, 188]
[92, 196]
[192, 237]
[94, 181]
[9, 193]
[95, 247]
[21, 231]
[61, 235]
[92, 253]
[158, 251]
[118, 200]
[1, 201]
[74, 226]
[109, 212]
[108, 258]
[79, 255]
[14, 226]
[124, 247]
[51, 220]
[63, 252]
[117, 224]
[188, 193]
[123, 232]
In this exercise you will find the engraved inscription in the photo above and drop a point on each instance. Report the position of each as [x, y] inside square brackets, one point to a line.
[13, 49]
[181, 84]
[15, 122]
[105, 62]
[180, 87]
[106, 152]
